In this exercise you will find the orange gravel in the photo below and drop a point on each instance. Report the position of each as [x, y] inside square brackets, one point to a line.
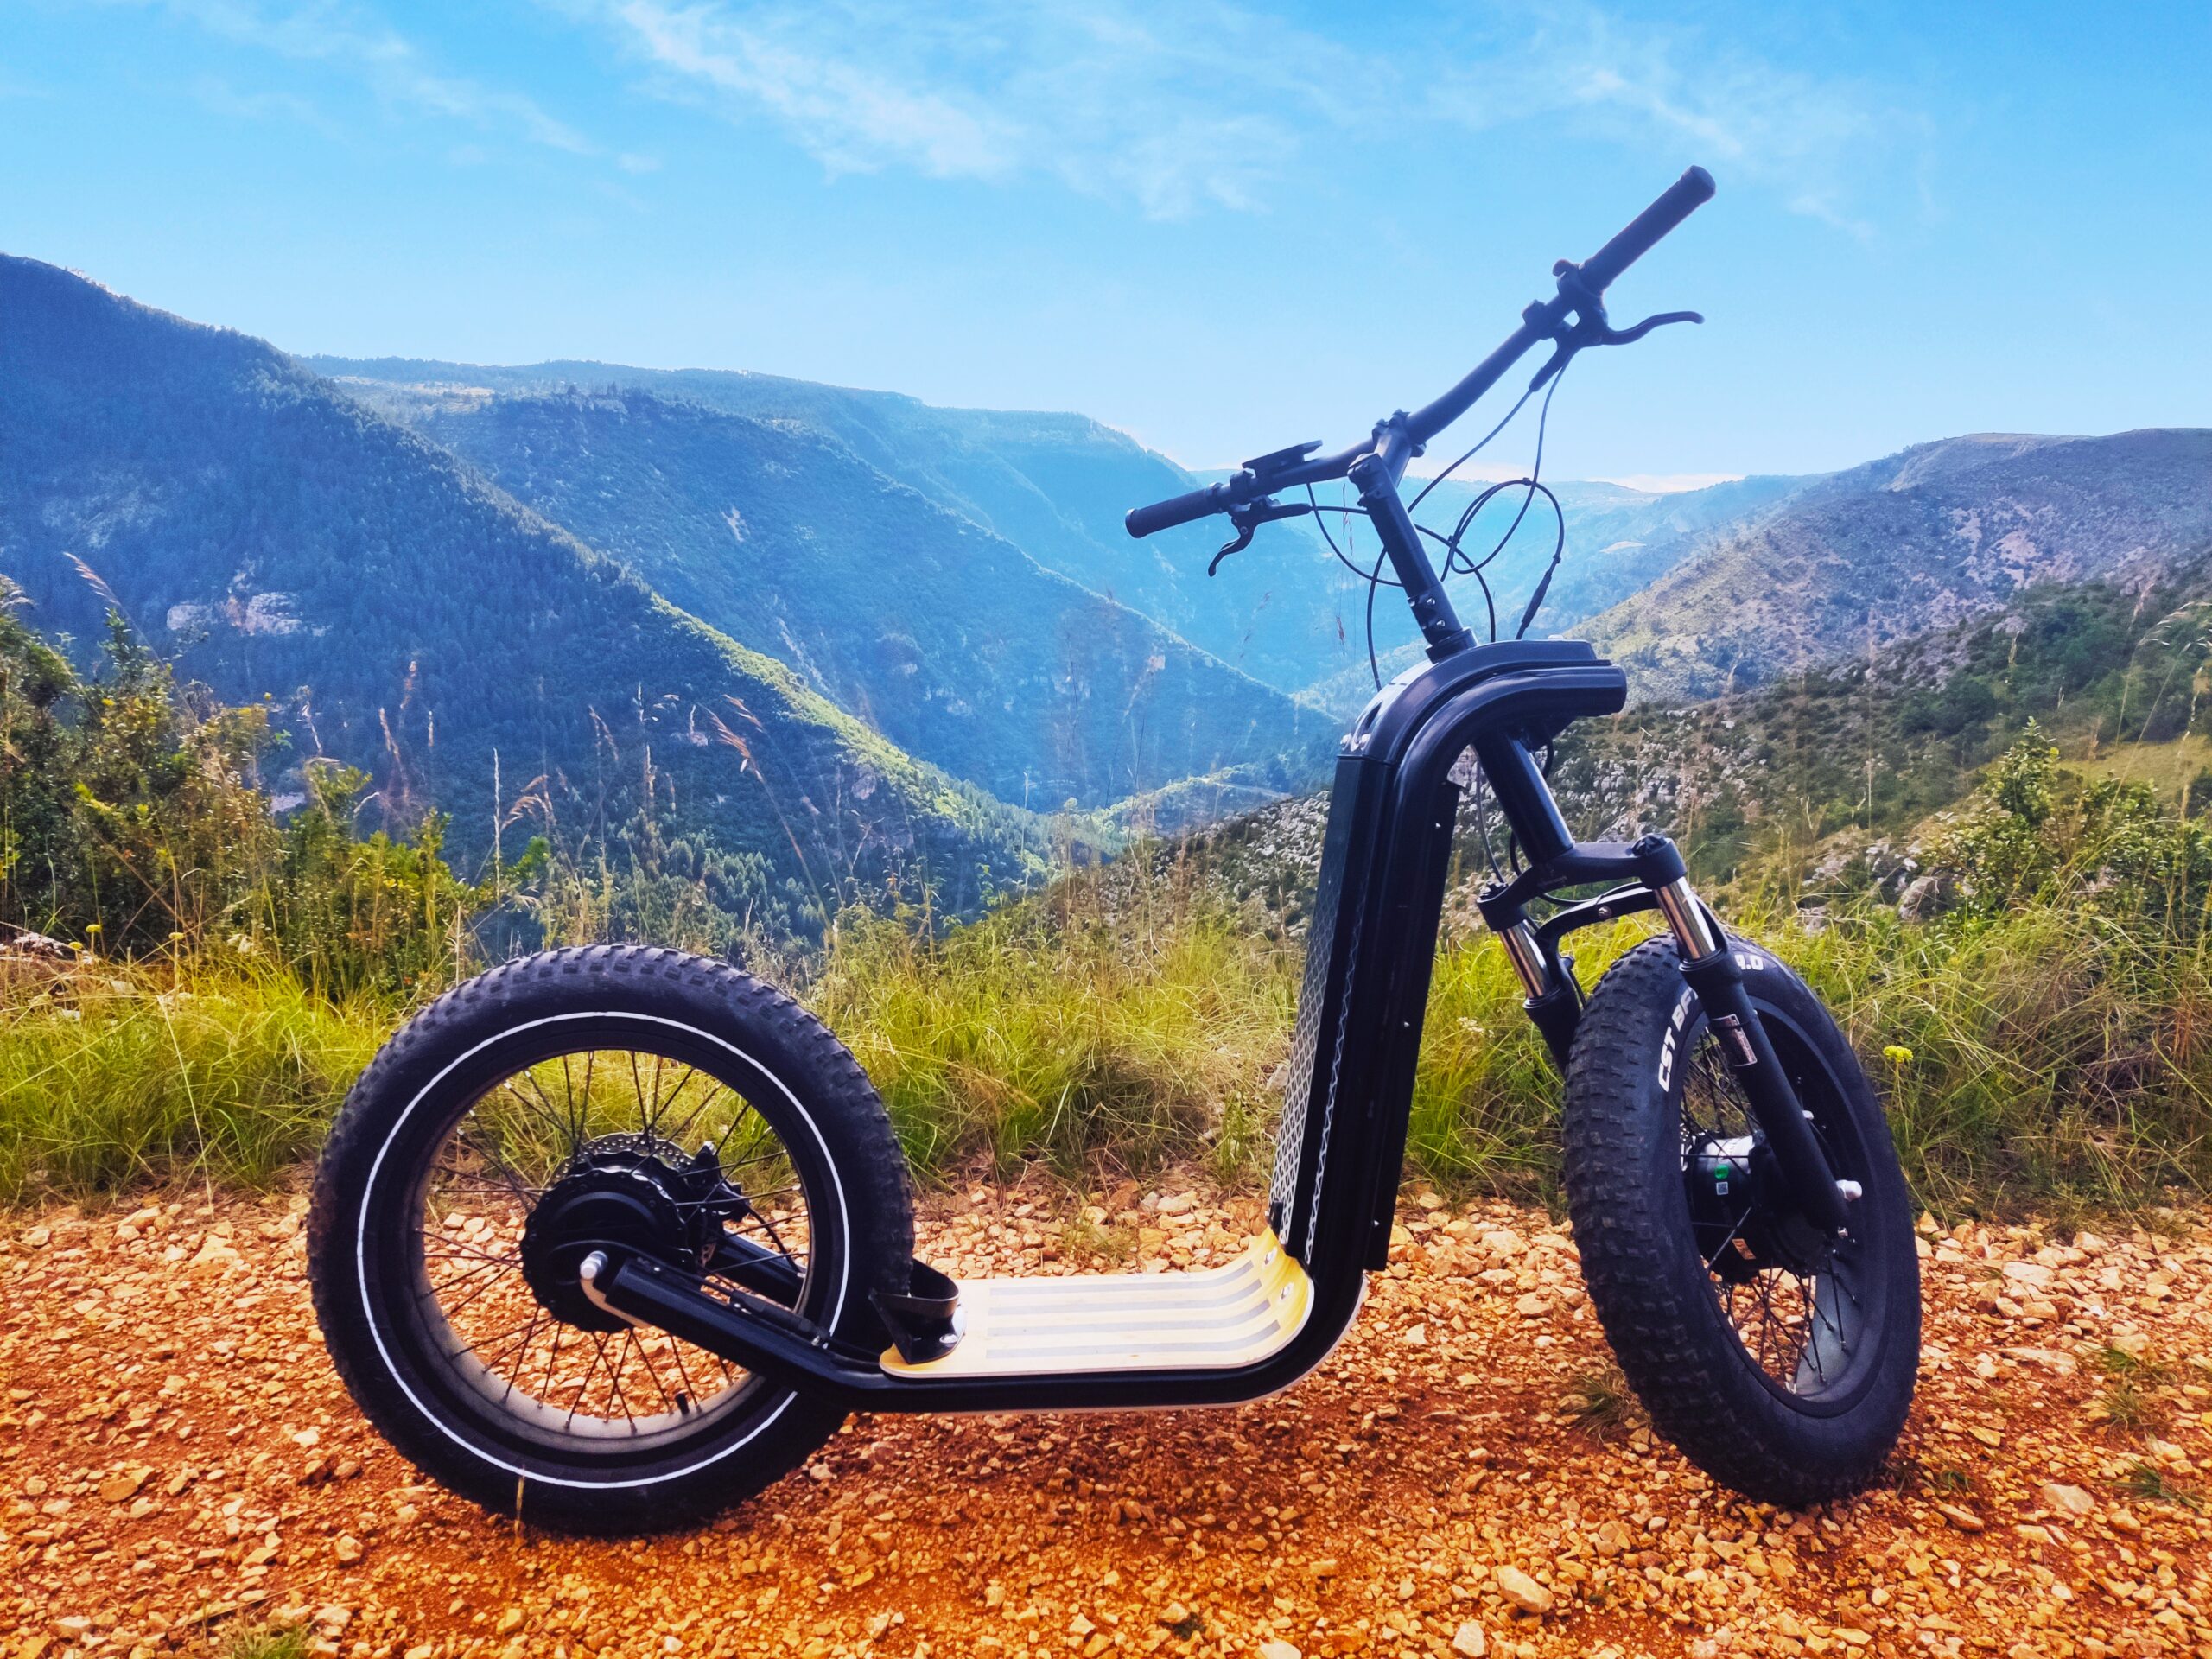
[179, 1469]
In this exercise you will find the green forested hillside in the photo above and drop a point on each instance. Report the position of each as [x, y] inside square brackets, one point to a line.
[947, 638]
[1920, 540]
[399, 612]
[1058, 485]
[1618, 540]
[2119, 675]
[1054, 485]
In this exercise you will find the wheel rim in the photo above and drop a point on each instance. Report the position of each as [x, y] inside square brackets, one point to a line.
[676, 1151]
[1804, 1306]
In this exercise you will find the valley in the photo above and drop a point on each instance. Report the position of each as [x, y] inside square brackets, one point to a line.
[838, 643]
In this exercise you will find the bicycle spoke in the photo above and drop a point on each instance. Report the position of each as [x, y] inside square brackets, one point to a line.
[489, 1284]
[537, 1319]
[583, 1386]
[715, 1090]
[545, 1111]
[479, 1205]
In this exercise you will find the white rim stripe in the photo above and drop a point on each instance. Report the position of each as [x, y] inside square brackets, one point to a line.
[361, 1248]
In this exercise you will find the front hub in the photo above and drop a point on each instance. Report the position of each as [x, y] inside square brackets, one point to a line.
[612, 1199]
[1742, 1228]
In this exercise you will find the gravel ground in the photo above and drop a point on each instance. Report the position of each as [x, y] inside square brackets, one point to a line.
[179, 1468]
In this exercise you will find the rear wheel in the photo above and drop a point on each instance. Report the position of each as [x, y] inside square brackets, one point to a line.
[1780, 1359]
[665, 1101]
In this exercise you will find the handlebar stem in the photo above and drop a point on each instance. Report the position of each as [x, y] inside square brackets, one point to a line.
[1376, 474]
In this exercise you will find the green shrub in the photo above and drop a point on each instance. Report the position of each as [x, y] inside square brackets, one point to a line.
[133, 823]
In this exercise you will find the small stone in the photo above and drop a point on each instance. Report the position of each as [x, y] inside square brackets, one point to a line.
[1522, 1590]
[2072, 1499]
[423, 1651]
[115, 1487]
[38, 1237]
[1279, 1649]
[347, 1550]
[71, 1628]
[1418, 1337]
[1964, 1520]
[1986, 1436]
[510, 1622]
[1469, 1641]
[1533, 1304]
[1613, 1539]
[215, 1256]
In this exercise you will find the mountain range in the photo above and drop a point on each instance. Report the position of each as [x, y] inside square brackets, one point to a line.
[282, 542]
[948, 640]
[1920, 540]
[841, 638]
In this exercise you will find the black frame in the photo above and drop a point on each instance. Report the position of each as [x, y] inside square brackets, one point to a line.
[1385, 864]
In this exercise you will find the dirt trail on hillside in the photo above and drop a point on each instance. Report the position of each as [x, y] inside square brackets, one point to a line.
[179, 1464]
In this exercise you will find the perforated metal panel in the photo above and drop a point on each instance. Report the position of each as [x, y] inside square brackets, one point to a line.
[1317, 1040]
[1305, 1042]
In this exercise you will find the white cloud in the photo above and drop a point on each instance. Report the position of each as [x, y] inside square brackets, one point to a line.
[1177, 108]
[356, 41]
[1670, 483]
[1198, 106]
[223, 98]
[1806, 138]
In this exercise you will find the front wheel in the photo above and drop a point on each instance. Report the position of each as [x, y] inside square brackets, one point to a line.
[1779, 1359]
[669, 1101]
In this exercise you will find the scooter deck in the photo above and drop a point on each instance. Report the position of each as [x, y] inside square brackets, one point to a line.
[1214, 1318]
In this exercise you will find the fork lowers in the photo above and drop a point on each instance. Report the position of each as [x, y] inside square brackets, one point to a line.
[1716, 974]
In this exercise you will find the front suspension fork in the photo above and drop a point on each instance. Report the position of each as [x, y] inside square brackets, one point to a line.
[1714, 970]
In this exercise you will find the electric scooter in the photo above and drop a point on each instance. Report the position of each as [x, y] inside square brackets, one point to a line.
[610, 1238]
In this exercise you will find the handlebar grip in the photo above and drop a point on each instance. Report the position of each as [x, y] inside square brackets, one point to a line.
[1177, 510]
[1679, 200]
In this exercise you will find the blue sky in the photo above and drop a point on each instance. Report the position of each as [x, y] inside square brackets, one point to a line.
[1220, 229]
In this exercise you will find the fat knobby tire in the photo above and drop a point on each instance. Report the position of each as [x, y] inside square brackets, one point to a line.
[1647, 1282]
[608, 995]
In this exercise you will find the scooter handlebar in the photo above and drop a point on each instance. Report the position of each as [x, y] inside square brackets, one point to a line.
[1679, 200]
[1177, 510]
[1596, 274]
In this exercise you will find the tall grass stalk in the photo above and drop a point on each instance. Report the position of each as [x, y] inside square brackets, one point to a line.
[1102, 1021]
[112, 1078]
[2039, 1056]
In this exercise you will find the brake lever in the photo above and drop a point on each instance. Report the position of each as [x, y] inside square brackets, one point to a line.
[1592, 326]
[1250, 517]
[1594, 330]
